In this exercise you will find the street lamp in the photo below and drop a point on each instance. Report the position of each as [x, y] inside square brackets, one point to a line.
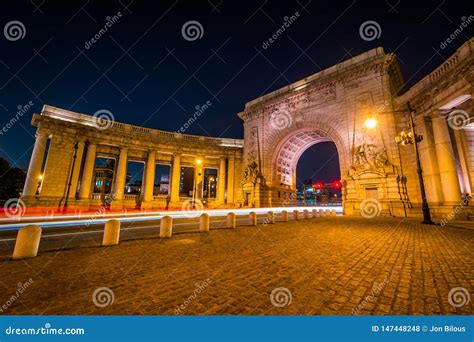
[370, 123]
[406, 138]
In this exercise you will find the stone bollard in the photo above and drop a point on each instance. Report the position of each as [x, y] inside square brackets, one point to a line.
[333, 212]
[252, 218]
[327, 213]
[231, 220]
[296, 214]
[321, 213]
[284, 216]
[204, 223]
[271, 217]
[111, 233]
[166, 226]
[306, 213]
[315, 213]
[27, 242]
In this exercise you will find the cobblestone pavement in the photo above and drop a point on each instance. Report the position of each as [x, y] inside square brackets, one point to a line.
[312, 267]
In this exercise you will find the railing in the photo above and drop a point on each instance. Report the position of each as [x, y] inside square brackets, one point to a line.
[65, 115]
[96, 196]
[131, 197]
[444, 68]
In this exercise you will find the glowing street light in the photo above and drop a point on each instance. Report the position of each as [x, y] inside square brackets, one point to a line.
[319, 185]
[371, 123]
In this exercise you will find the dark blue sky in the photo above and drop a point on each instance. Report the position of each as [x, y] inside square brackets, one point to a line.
[146, 73]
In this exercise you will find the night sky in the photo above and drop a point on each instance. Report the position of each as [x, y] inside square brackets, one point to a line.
[146, 73]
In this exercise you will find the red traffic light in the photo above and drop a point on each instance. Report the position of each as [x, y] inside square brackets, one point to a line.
[337, 184]
[318, 185]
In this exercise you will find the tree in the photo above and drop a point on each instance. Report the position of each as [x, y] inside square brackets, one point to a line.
[12, 180]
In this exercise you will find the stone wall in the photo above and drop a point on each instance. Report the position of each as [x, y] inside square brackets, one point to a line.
[333, 104]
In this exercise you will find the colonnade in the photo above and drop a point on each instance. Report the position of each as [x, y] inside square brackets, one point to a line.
[81, 180]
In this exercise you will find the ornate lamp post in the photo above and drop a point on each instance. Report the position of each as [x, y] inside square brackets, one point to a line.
[405, 138]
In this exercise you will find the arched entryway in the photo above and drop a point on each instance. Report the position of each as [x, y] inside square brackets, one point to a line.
[318, 176]
[287, 155]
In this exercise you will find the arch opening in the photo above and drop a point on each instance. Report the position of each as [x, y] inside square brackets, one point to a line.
[318, 175]
[305, 160]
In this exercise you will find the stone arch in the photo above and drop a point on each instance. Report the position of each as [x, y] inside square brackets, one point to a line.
[291, 145]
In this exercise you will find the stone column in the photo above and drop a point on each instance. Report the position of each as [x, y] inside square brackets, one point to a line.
[461, 144]
[77, 169]
[88, 172]
[230, 180]
[175, 179]
[121, 174]
[221, 182]
[446, 161]
[429, 163]
[149, 179]
[36, 162]
[199, 179]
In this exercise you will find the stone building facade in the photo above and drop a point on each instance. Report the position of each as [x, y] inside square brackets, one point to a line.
[355, 104]
[68, 144]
